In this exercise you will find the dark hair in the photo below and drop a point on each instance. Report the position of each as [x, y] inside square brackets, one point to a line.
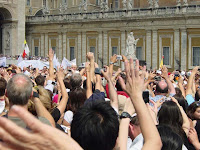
[197, 95]
[135, 121]
[170, 115]
[67, 83]
[77, 98]
[40, 80]
[118, 86]
[95, 126]
[3, 84]
[192, 108]
[75, 80]
[182, 101]
[160, 90]
[19, 89]
[178, 93]
[170, 140]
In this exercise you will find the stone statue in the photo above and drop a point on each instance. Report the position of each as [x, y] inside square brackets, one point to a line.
[178, 2]
[129, 4]
[83, 6]
[45, 10]
[62, 8]
[185, 2]
[124, 2]
[156, 3]
[104, 5]
[30, 10]
[150, 3]
[8, 40]
[131, 46]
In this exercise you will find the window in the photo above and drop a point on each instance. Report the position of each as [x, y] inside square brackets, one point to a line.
[92, 49]
[64, 1]
[116, 3]
[44, 3]
[196, 56]
[97, 2]
[166, 54]
[36, 51]
[72, 53]
[114, 51]
[139, 53]
[28, 2]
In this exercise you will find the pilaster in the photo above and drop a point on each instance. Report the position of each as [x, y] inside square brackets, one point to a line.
[183, 48]
[148, 49]
[176, 49]
[155, 50]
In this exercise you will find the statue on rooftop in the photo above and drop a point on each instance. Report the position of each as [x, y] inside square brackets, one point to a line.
[104, 5]
[131, 46]
[124, 2]
[129, 4]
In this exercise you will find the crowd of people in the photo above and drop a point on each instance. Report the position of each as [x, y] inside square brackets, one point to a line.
[99, 109]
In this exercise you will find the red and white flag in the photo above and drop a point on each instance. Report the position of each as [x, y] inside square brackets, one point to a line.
[26, 49]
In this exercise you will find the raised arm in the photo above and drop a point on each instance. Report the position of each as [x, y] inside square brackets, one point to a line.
[51, 70]
[63, 103]
[180, 84]
[191, 80]
[112, 91]
[134, 87]
[88, 81]
[113, 60]
[169, 83]
[42, 111]
[90, 57]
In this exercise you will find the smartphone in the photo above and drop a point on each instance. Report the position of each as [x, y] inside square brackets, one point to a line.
[119, 57]
[157, 78]
[145, 96]
[97, 71]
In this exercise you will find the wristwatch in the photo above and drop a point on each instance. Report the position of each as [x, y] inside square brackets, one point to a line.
[35, 94]
[125, 115]
[111, 63]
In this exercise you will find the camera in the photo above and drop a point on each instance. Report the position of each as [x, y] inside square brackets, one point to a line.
[157, 78]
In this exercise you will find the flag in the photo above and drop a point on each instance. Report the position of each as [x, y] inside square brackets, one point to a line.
[26, 49]
[20, 59]
[55, 62]
[161, 62]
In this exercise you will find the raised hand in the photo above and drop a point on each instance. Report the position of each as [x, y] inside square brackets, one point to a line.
[51, 54]
[90, 56]
[113, 58]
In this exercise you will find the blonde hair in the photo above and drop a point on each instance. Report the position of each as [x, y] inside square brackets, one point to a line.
[45, 98]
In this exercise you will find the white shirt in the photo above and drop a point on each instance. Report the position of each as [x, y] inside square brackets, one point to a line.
[68, 116]
[137, 143]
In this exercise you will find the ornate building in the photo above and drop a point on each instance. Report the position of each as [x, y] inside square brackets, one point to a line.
[74, 27]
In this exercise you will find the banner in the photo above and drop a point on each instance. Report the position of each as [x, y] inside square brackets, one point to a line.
[3, 62]
[35, 64]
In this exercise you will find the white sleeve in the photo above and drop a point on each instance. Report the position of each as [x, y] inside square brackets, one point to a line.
[69, 116]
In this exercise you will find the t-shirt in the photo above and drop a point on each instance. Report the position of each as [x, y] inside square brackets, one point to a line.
[2, 105]
[21, 123]
[189, 99]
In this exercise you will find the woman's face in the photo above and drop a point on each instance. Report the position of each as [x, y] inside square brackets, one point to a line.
[197, 113]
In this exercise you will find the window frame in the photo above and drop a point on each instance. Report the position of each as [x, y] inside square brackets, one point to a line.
[164, 56]
[193, 56]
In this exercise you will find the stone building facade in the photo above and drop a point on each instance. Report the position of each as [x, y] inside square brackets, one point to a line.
[74, 27]
[12, 26]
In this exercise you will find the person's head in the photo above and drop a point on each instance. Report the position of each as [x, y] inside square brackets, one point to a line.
[77, 98]
[67, 83]
[182, 102]
[3, 84]
[134, 128]
[193, 111]
[95, 126]
[74, 67]
[178, 93]
[170, 140]
[76, 80]
[45, 98]
[40, 80]
[162, 87]
[170, 115]
[197, 95]
[118, 85]
[45, 68]
[19, 89]
[9, 70]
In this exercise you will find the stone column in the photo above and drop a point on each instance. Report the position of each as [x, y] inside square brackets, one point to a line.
[42, 45]
[105, 48]
[155, 50]
[78, 59]
[123, 46]
[100, 50]
[183, 48]
[84, 47]
[59, 52]
[176, 49]
[64, 44]
[148, 49]
[21, 25]
[46, 49]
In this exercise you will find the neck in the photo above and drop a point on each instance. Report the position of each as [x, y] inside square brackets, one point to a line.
[12, 113]
[2, 97]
